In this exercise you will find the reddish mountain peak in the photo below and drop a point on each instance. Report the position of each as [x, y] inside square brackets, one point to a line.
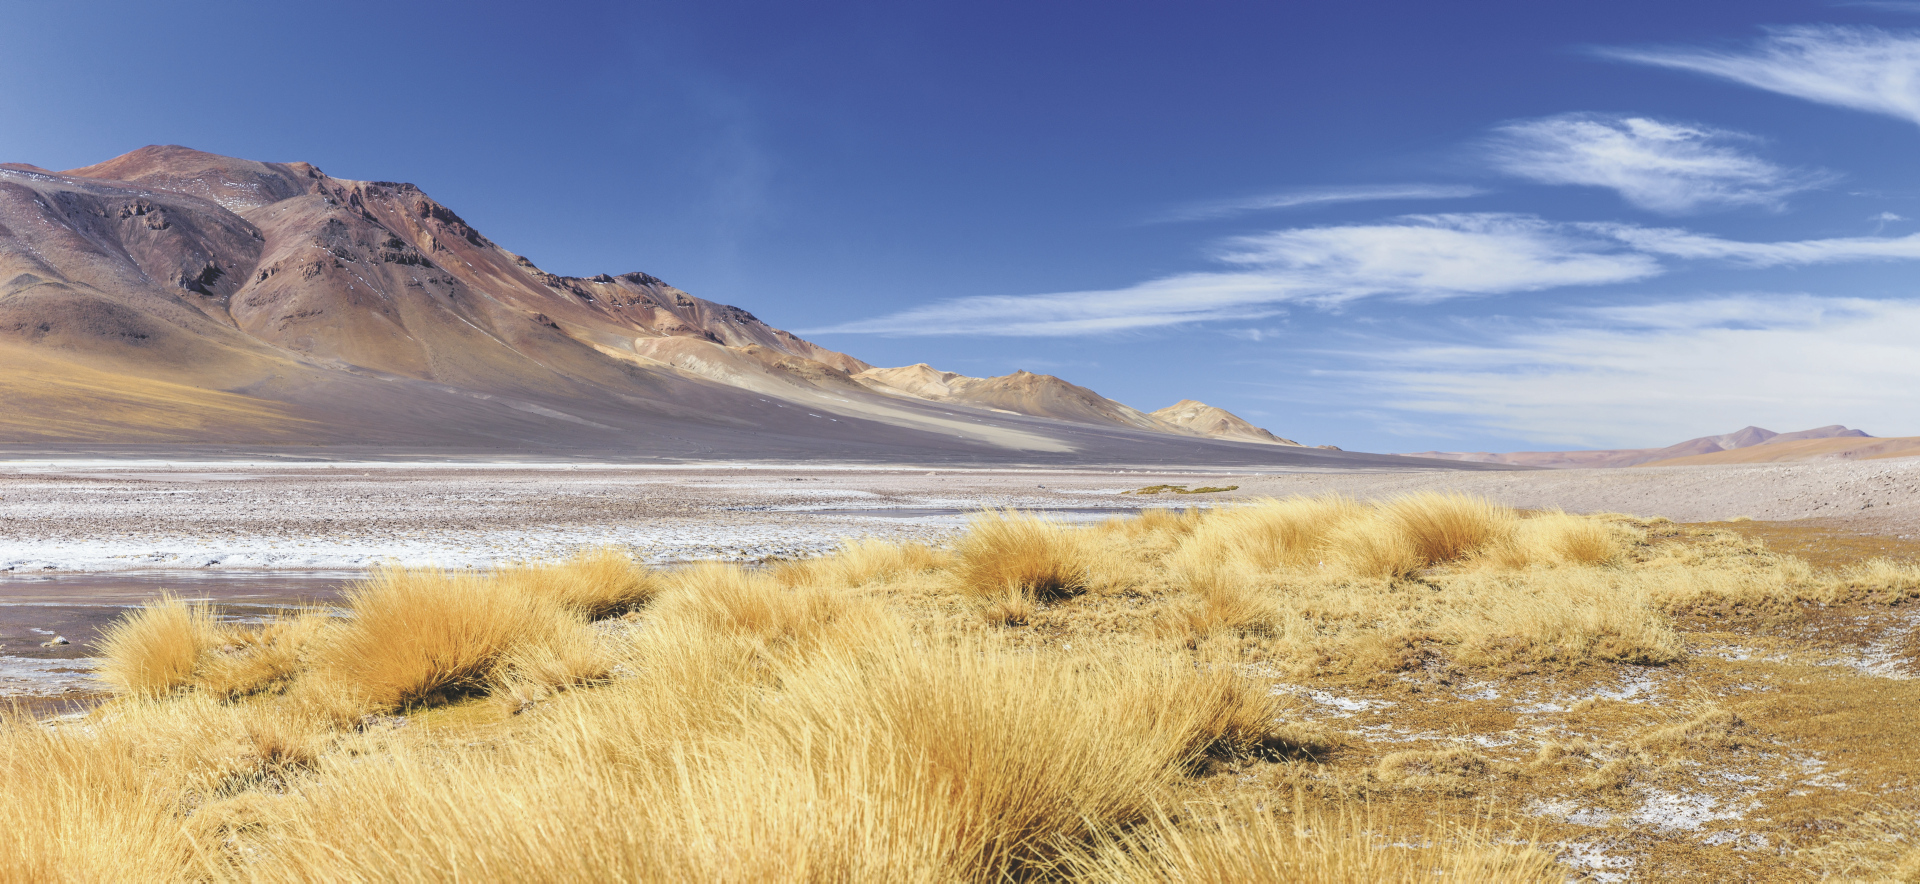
[229, 181]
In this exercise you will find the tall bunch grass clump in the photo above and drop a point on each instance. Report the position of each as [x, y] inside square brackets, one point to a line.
[729, 600]
[862, 561]
[78, 808]
[1007, 551]
[159, 647]
[252, 661]
[1555, 537]
[1155, 522]
[596, 583]
[1373, 547]
[415, 634]
[874, 760]
[1270, 534]
[1445, 527]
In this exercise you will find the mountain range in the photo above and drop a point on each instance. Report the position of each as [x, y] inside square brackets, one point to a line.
[175, 297]
[1747, 445]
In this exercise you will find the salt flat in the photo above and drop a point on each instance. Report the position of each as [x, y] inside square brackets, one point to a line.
[101, 515]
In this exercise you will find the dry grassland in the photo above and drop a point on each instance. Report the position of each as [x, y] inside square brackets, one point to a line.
[1304, 689]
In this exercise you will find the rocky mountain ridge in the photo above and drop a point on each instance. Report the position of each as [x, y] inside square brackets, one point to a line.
[175, 296]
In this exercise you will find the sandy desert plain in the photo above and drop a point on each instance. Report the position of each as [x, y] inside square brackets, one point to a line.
[1354, 674]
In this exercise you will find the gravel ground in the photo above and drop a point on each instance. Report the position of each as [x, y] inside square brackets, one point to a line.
[100, 515]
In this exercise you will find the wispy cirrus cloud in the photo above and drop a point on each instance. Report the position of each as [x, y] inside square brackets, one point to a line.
[1315, 196]
[1862, 68]
[1648, 375]
[1672, 168]
[1431, 257]
[1677, 243]
[1420, 258]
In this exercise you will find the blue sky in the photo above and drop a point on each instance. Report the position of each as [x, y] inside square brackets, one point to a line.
[1386, 226]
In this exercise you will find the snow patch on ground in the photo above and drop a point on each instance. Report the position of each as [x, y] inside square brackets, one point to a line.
[1880, 659]
[1344, 707]
[1634, 689]
[1597, 860]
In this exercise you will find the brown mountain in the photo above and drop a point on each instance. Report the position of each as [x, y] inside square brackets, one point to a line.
[1784, 450]
[1216, 422]
[174, 297]
[1745, 440]
[1022, 392]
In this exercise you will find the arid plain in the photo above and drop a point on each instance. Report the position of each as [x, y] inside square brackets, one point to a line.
[338, 542]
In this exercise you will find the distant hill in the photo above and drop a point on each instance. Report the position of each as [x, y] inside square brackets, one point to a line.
[1778, 451]
[1217, 422]
[1747, 445]
[171, 296]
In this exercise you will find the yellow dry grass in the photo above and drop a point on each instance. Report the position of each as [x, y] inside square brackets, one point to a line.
[417, 635]
[855, 717]
[1247, 845]
[1013, 551]
[595, 583]
[158, 648]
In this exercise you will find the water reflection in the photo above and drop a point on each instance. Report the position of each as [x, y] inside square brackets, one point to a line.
[37, 610]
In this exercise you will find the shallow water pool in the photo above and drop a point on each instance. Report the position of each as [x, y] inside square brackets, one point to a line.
[36, 609]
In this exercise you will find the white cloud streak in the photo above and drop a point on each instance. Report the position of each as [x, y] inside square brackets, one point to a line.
[1671, 372]
[1422, 257]
[1432, 257]
[1862, 68]
[1685, 244]
[1294, 199]
[1663, 167]
[1418, 258]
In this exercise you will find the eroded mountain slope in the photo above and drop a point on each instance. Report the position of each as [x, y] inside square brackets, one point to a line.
[176, 296]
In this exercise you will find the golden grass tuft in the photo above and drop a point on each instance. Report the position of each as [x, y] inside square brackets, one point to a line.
[1373, 548]
[1154, 522]
[1271, 534]
[1012, 607]
[1444, 527]
[250, 661]
[862, 561]
[752, 605]
[1007, 550]
[597, 583]
[158, 648]
[419, 634]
